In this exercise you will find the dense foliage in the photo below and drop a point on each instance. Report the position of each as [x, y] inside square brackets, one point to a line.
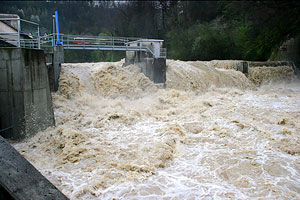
[192, 30]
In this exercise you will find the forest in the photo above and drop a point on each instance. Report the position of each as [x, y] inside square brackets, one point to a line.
[192, 30]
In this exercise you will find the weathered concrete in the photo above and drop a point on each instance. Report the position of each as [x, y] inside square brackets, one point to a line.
[54, 57]
[58, 58]
[21, 180]
[268, 63]
[26, 105]
[153, 68]
[130, 57]
[243, 66]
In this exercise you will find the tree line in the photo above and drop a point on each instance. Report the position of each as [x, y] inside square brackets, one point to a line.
[192, 30]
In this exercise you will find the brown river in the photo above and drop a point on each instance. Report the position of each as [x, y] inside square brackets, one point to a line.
[212, 133]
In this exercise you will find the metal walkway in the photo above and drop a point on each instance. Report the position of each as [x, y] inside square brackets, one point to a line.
[12, 36]
[103, 43]
[86, 42]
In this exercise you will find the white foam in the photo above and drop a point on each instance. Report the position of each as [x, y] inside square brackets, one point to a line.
[210, 135]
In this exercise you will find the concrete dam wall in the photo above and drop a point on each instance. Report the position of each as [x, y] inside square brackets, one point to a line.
[24, 93]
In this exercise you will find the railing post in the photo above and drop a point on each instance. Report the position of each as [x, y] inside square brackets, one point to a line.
[19, 30]
[113, 43]
[39, 39]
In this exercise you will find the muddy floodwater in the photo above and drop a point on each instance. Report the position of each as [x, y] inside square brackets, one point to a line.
[212, 133]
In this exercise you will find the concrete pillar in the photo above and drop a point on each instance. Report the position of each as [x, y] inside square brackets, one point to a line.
[26, 104]
[58, 58]
[153, 68]
[159, 70]
[129, 59]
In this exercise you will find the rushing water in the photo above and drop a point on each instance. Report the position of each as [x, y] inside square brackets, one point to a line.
[211, 134]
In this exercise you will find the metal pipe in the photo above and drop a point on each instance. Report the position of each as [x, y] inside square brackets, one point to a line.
[53, 29]
[58, 43]
[19, 30]
[39, 40]
[29, 22]
[14, 15]
[7, 19]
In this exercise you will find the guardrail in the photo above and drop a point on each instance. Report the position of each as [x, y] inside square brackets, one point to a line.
[70, 41]
[98, 43]
[19, 38]
[163, 52]
[12, 41]
[24, 40]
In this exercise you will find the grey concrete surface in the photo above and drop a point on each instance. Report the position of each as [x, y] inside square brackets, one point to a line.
[58, 58]
[21, 180]
[25, 98]
[153, 68]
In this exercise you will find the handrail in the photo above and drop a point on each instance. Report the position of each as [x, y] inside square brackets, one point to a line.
[76, 41]
[10, 17]
[99, 42]
[82, 42]
[30, 22]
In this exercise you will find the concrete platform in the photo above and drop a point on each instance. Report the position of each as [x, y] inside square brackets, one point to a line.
[20, 180]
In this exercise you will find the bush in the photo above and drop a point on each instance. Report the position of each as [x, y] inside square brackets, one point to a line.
[211, 43]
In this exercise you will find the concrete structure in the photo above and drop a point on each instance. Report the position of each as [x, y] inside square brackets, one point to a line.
[12, 37]
[243, 66]
[152, 64]
[19, 180]
[6, 28]
[54, 58]
[290, 51]
[154, 45]
[11, 34]
[58, 58]
[24, 93]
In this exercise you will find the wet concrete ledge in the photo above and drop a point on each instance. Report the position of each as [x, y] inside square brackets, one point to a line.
[21, 180]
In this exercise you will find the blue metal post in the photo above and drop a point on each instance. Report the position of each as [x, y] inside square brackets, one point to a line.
[58, 43]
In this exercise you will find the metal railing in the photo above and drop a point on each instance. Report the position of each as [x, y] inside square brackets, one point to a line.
[98, 43]
[12, 41]
[19, 38]
[22, 39]
[163, 53]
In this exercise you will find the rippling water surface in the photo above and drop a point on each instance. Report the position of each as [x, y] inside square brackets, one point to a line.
[211, 134]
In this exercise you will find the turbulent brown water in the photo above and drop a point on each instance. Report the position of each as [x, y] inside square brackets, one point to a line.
[211, 134]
